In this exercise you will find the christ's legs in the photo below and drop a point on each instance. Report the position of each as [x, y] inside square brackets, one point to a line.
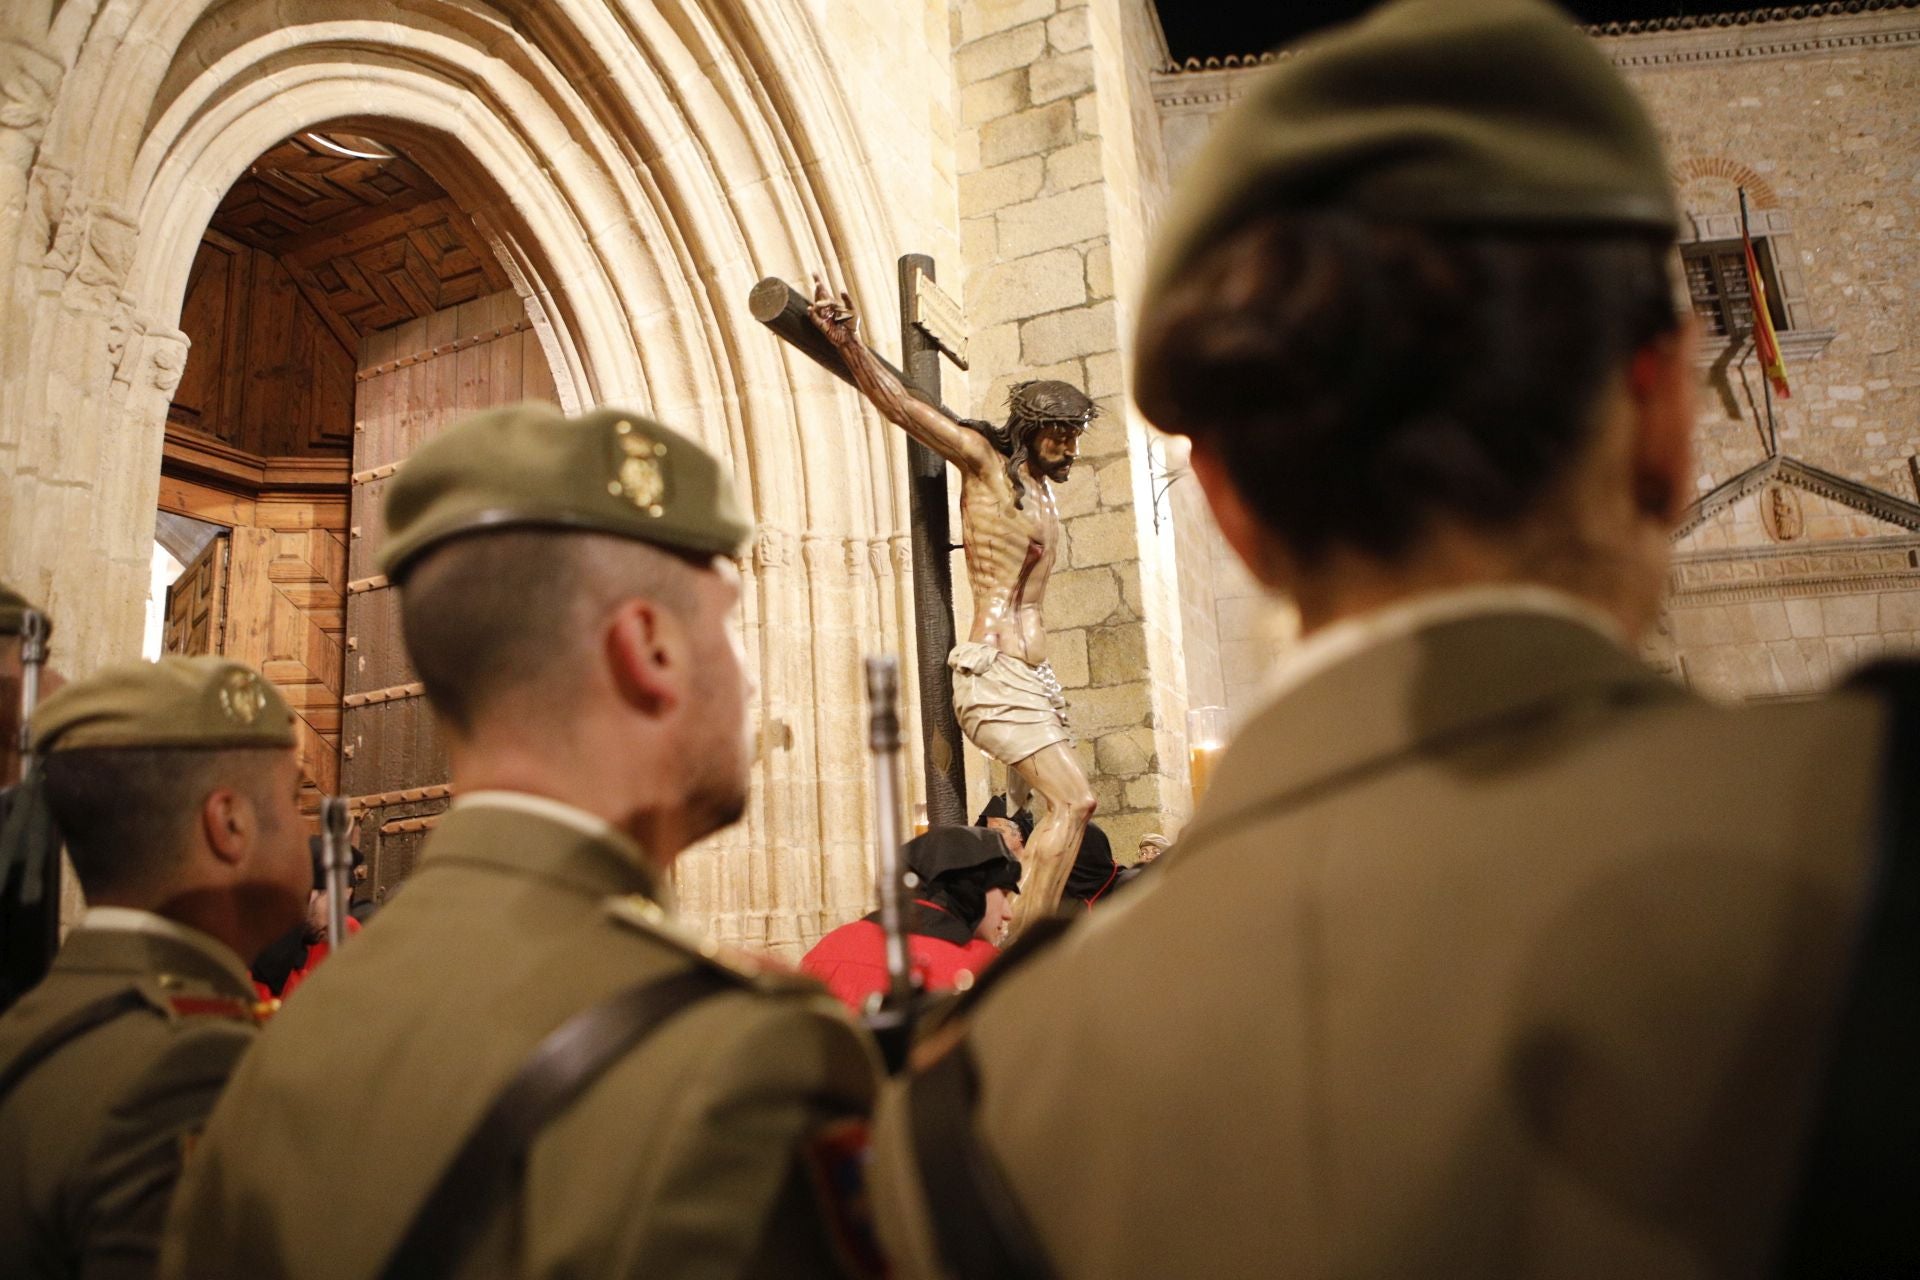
[1055, 773]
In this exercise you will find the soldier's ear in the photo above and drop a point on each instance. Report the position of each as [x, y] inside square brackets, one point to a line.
[646, 650]
[228, 824]
[1663, 384]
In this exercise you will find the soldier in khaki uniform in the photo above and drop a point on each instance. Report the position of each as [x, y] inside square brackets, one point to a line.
[175, 786]
[567, 589]
[1489, 952]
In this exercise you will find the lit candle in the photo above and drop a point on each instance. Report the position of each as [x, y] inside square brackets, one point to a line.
[1206, 739]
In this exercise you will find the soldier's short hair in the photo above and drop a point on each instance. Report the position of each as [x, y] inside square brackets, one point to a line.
[1362, 380]
[127, 813]
[494, 613]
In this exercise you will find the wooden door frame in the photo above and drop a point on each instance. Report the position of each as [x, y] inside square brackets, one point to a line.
[216, 483]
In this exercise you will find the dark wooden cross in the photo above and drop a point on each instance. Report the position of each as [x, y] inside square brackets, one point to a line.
[928, 327]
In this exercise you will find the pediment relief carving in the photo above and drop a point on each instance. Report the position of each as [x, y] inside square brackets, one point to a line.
[1785, 502]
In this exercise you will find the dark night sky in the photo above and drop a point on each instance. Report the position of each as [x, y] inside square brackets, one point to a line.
[1198, 28]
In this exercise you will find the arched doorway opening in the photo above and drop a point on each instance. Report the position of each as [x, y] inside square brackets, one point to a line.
[342, 306]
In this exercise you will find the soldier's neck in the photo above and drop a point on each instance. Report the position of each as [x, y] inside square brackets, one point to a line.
[615, 786]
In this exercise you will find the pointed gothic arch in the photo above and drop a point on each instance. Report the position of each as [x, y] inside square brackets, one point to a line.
[636, 169]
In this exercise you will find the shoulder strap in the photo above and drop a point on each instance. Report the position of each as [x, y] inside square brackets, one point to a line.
[569, 1060]
[978, 1226]
[1853, 1214]
[95, 1013]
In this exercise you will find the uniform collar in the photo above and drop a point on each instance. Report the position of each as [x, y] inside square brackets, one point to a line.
[1417, 679]
[538, 836]
[128, 940]
[1334, 644]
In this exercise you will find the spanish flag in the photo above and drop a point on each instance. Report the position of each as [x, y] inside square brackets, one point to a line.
[1764, 338]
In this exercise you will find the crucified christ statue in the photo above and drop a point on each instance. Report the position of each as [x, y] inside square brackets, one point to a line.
[1004, 692]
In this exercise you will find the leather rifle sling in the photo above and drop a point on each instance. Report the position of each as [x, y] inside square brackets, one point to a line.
[1854, 1211]
[567, 1062]
[95, 1013]
[978, 1225]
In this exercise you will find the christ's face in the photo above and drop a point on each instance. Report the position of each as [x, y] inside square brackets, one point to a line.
[1053, 451]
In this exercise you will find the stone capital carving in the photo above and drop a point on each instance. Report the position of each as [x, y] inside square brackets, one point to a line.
[29, 80]
[772, 548]
[822, 553]
[90, 253]
[166, 359]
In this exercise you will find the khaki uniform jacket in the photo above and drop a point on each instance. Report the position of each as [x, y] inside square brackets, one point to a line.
[689, 1157]
[95, 1134]
[1488, 953]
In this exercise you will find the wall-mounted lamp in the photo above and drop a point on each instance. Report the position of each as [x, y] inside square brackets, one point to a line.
[1166, 465]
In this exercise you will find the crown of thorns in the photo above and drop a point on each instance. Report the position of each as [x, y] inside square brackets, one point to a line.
[1045, 402]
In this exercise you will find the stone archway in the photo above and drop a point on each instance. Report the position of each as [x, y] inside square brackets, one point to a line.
[635, 171]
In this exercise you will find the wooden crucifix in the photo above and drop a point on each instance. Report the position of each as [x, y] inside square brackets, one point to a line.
[784, 310]
[1004, 693]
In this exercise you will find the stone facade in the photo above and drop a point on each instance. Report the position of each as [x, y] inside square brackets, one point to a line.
[1811, 112]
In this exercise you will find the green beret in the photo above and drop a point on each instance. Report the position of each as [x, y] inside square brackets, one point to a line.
[209, 703]
[1465, 113]
[607, 471]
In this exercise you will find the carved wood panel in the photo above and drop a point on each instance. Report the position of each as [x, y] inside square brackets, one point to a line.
[414, 381]
[281, 585]
[265, 372]
[196, 603]
[368, 236]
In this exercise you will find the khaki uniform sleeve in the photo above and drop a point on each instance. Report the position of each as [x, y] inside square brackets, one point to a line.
[742, 1195]
[128, 1179]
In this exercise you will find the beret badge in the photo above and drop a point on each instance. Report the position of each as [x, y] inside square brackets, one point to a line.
[242, 698]
[640, 479]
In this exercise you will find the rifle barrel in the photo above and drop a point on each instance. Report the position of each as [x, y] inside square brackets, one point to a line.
[883, 703]
[338, 862]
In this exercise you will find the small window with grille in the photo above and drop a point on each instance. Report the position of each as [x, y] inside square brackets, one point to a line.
[1717, 284]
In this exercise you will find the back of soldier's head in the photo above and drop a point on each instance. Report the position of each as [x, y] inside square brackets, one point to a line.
[1405, 270]
[514, 532]
[129, 755]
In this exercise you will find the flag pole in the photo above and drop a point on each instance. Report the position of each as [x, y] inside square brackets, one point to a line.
[1758, 299]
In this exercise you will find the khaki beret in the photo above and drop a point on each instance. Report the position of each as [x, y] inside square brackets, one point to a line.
[1465, 113]
[208, 703]
[607, 471]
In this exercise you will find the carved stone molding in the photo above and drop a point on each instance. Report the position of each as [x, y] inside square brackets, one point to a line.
[1764, 34]
[1205, 85]
[1805, 476]
[1796, 347]
[1836, 568]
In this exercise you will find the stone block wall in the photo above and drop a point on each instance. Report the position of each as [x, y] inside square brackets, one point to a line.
[1058, 164]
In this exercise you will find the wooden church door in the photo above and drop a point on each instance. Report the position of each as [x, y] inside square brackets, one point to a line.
[414, 381]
